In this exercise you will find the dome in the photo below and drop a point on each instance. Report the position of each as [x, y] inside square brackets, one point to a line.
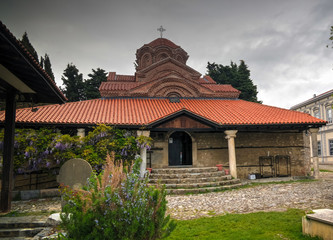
[158, 50]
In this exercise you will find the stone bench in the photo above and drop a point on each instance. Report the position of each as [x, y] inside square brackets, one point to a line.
[319, 223]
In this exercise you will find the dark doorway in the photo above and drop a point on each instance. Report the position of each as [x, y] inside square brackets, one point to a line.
[180, 149]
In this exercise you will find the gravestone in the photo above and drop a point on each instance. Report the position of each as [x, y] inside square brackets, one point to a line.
[74, 173]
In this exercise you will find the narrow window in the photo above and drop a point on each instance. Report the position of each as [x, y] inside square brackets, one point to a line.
[319, 148]
[329, 114]
[331, 146]
[317, 114]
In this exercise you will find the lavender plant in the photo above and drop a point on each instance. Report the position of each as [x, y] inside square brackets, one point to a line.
[116, 204]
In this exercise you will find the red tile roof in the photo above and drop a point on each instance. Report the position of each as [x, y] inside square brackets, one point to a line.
[144, 111]
[162, 41]
[123, 78]
[221, 88]
[206, 80]
[118, 86]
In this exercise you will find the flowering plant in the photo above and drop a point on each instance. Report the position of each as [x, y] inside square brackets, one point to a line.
[47, 148]
[116, 204]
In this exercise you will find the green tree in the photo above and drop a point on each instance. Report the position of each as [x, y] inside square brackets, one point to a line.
[73, 82]
[237, 76]
[92, 84]
[331, 38]
[26, 43]
[47, 66]
[41, 63]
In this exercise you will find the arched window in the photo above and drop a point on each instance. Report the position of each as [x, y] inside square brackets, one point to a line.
[179, 58]
[162, 56]
[146, 60]
[173, 95]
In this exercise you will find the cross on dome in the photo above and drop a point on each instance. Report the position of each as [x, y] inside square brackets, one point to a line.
[161, 30]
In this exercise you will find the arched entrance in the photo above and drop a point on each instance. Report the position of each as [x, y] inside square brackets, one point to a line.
[180, 149]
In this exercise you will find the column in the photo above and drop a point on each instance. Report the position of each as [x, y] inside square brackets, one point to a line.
[230, 135]
[143, 153]
[81, 132]
[314, 144]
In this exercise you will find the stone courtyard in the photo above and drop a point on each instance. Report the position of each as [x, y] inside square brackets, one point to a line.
[267, 197]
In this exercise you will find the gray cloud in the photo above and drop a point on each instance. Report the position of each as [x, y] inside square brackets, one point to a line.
[283, 43]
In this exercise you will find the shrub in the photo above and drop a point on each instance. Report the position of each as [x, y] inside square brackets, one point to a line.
[47, 148]
[116, 204]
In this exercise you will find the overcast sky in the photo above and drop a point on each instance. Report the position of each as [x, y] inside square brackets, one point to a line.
[282, 42]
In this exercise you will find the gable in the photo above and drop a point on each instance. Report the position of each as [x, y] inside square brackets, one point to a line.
[167, 66]
[182, 120]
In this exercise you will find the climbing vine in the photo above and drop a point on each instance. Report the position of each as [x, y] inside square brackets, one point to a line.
[47, 148]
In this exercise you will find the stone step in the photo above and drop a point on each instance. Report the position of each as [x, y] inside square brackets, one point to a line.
[201, 190]
[183, 170]
[19, 232]
[202, 185]
[16, 238]
[190, 180]
[23, 222]
[186, 175]
[22, 225]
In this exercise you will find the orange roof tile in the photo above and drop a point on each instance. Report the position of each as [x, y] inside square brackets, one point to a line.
[123, 78]
[206, 80]
[117, 86]
[145, 111]
[221, 88]
[162, 41]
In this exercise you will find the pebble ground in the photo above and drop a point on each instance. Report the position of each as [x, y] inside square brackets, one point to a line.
[268, 197]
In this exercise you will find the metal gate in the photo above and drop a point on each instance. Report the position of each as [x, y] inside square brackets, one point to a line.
[275, 166]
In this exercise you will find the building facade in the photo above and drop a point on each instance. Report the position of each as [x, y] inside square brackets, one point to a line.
[193, 121]
[321, 107]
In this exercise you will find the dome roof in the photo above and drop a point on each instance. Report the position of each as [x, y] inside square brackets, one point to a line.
[158, 50]
[162, 41]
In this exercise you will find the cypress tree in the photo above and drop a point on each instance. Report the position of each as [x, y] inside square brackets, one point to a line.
[73, 83]
[92, 84]
[47, 66]
[237, 76]
[26, 43]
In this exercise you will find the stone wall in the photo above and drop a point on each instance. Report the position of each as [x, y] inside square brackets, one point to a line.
[210, 149]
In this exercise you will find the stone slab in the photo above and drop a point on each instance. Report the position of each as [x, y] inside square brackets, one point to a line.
[48, 193]
[319, 224]
[32, 194]
[322, 215]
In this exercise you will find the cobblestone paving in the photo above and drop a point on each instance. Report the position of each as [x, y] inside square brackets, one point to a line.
[272, 197]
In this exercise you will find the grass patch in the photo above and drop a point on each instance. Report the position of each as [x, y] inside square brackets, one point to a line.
[325, 170]
[261, 225]
[322, 170]
[254, 184]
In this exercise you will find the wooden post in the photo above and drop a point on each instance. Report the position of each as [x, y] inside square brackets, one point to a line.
[8, 152]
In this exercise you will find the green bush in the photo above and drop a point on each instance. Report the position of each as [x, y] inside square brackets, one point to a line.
[47, 148]
[116, 204]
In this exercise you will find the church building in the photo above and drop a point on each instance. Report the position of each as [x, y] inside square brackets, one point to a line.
[193, 121]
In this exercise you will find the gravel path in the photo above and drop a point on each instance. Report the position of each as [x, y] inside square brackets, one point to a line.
[271, 197]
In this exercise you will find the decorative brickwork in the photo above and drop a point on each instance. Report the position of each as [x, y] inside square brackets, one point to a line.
[161, 71]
